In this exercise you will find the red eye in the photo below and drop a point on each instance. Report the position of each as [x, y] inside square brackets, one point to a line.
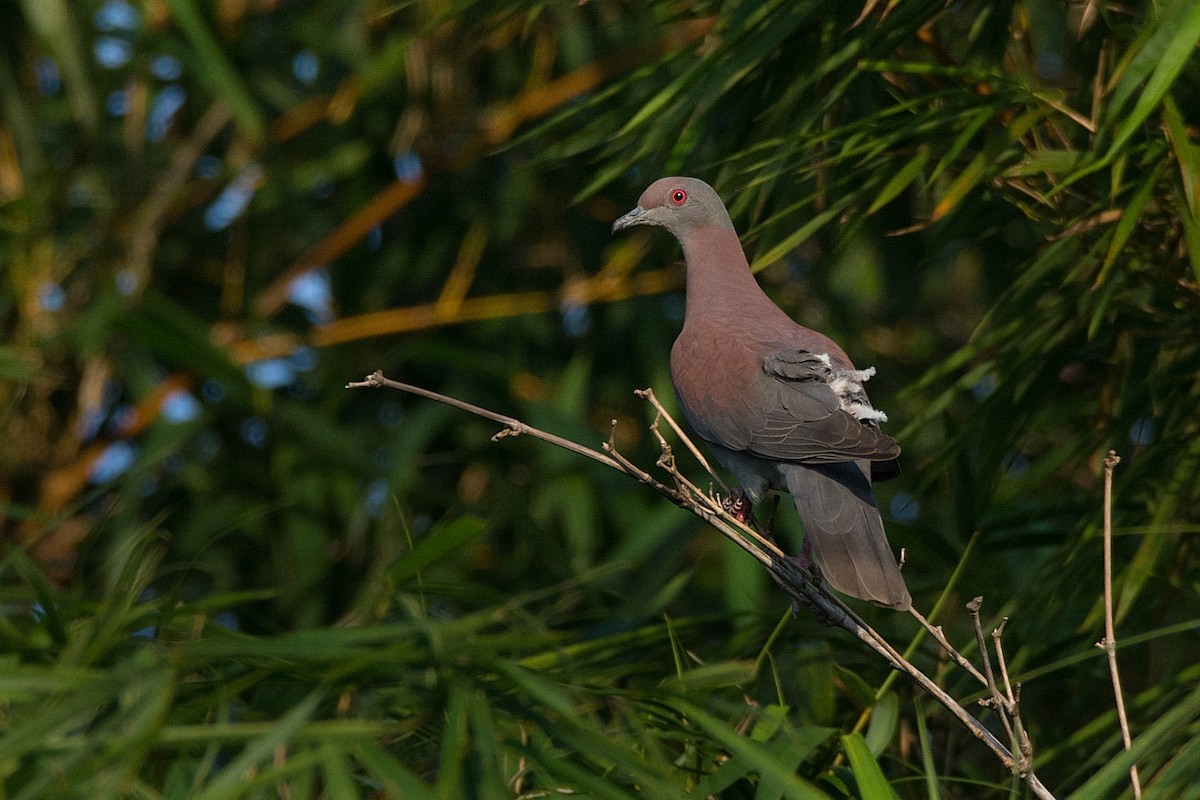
[679, 197]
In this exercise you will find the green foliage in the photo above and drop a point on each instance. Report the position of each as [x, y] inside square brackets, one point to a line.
[226, 576]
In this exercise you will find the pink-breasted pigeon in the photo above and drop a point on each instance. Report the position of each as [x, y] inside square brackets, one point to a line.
[780, 405]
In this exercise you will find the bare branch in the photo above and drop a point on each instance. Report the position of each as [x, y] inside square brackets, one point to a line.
[512, 426]
[1109, 643]
[804, 587]
[939, 635]
[1020, 737]
[648, 395]
[996, 701]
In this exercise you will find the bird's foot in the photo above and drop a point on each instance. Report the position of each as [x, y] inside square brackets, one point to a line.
[739, 507]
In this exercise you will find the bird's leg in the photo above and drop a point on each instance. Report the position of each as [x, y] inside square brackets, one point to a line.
[805, 561]
[771, 518]
[808, 565]
[739, 506]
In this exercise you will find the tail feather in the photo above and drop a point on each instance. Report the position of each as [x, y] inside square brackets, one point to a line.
[842, 524]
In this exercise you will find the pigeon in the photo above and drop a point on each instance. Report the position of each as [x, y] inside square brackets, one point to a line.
[780, 405]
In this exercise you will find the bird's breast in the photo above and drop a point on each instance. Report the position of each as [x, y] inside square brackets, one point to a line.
[714, 377]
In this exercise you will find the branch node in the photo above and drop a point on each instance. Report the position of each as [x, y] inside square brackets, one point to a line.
[375, 380]
[512, 428]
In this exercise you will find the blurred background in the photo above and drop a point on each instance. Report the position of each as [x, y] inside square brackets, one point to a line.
[225, 575]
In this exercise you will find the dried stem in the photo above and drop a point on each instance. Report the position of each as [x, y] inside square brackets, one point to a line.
[1013, 695]
[939, 635]
[804, 587]
[996, 701]
[1109, 643]
[648, 395]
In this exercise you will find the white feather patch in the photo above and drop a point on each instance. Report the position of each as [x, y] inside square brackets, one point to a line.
[847, 384]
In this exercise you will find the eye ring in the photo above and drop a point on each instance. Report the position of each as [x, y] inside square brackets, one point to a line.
[678, 196]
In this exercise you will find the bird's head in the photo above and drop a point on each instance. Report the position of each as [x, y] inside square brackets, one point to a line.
[680, 205]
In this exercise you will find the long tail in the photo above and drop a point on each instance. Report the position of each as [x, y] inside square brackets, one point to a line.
[842, 524]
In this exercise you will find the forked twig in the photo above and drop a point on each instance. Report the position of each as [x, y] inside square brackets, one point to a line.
[804, 587]
[1109, 643]
[648, 395]
[940, 636]
[1013, 695]
[996, 700]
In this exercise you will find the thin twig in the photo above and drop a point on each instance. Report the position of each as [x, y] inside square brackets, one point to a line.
[802, 586]
[997, 633]
[997, 701]
[512, 426]
[667, 462]
[1013, 695]
[1109, 643]
[938, 634]
[648, 395]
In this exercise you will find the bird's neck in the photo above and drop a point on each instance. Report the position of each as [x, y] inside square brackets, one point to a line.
[719, 277]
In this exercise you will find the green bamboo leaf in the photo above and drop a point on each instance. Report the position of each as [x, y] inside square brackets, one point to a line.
[986, 164]
[1044, 162]
[790, 748]
[928, 766]
[1147, 72]
[1177, 778]
[22, 683]
[1176, 34]
[872, 785]
[900, 181]
[752, 755]
[1161, 735]
[1145, 562]
[1129, 219]
[1187, 153]
[885, 721]
[858, 687]
[54, 21]
[794, 240]
[396, 778]
[227, 783]
[567, 726]
[547, 759]
[652, 108]
[442, 541]
[50, 617]
[486, 741]
[772, 720]
[225, 733]
[452, 754]
[1187, 156]
[977, 120]
[713, 676]
[213, 68]
[1190, 220]
[337, 775]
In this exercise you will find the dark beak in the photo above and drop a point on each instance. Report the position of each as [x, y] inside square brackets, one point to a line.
[635, 217]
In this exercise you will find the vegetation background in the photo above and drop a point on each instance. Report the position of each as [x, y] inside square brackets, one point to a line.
[226, 576]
